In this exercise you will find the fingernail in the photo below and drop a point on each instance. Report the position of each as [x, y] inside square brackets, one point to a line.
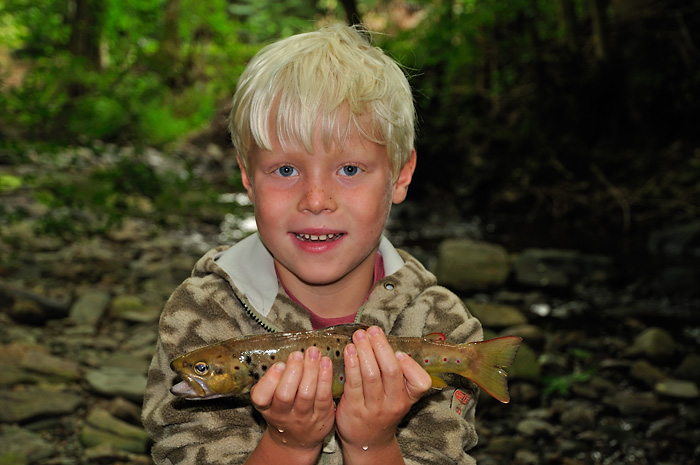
[297, 356]
[314, 353]
[360, 335]
[279, 366]
[326, 362]
[351, 350]
[374, 330]
[401, 355]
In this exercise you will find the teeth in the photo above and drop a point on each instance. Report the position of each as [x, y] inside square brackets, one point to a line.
[319, 238]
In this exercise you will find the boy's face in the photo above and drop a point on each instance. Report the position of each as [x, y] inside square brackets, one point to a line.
[321, 214]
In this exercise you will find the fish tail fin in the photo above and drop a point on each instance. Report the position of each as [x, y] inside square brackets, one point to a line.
[488, 370]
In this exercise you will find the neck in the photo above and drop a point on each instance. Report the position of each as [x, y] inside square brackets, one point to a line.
[333, 300]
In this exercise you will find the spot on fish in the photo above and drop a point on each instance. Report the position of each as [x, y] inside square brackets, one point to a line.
[264, 367]
[272, 357]
[236, 367]
[444, 359]
[341, 378]
[427, 360]
[337, 353]
[248, 359]
[256, 376]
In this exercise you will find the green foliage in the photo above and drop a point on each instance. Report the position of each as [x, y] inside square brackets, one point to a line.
[562, 384]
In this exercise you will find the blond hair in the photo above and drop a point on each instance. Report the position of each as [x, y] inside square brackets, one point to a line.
[333, 76]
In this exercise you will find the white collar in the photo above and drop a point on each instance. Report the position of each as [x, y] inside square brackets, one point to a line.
[250, 266]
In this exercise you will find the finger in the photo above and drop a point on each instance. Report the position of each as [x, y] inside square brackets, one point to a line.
[289, 383]
[306, 393]
[264, 390]
[371, 376]
[418, 381]
[352, 390]
[392, 375]
[324, 390]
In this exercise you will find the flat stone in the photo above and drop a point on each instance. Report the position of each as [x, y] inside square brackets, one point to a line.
[526, 365]
[654, 343]
[677, 388]
[117, 381]
[20, 406]
[102, 428]
[495, 315]
[18, 446]
[647, 373]
[90, 307]
[471, 265]
[21, 362]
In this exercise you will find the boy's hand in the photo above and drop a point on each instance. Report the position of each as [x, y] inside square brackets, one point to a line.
[296, 400]
[380, 388]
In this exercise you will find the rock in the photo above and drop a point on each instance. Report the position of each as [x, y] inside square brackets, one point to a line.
[116, 381]
[90, 307]
[103, 428]
[647, 373]
[525, 366]
[24, 444]
[27, 312]
[676, 241]
[21, 362]
[471, 265]
[689, 368]
[558, 268]
[533, 427]
[579, 417]
[526, 457]
[534, 335]
[30, 404]
[495, 315]
[654, 343]
[132, 308]
[635, 403]
[677, 388]
[133, 229]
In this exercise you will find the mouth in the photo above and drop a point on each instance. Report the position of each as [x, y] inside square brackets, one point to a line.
[318, 237]
[192, 388]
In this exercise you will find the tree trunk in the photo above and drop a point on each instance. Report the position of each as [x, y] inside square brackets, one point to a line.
[167, 59]
[567, 18]
[351, 12]
[86, 31]
[599, 22]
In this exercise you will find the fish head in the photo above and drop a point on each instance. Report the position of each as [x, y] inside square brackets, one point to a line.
[210, 373]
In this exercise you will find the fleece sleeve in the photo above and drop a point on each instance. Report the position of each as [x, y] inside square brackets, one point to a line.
[222, 431]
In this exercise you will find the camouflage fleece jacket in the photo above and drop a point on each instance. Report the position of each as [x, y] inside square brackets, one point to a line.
[233, 291]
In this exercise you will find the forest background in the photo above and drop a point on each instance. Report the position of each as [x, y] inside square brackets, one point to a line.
[568, 121]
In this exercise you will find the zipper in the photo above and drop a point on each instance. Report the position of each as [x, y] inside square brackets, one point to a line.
[256, 316]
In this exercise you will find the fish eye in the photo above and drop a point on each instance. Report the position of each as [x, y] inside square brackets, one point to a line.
[201, 368]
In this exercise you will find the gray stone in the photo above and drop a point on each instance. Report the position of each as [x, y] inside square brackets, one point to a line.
[525, 366]
[471, 265]
[90, 307]
[647, 373]
[689, 368]
[677, 388]
[132, 308]
[532, 427]
[30, 404]
[495, 315]
[116, 381]
[102, 428]
[22, 445]
[559, 268]
[654, 343]
[22, 362]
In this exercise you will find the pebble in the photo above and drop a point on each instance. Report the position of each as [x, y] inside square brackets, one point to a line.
[677, 388]
[34, 403]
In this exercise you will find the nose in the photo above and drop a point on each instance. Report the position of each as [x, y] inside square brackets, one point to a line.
[317, 197]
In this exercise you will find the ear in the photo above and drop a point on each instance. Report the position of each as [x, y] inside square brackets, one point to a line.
[247, 182]
[404, 179]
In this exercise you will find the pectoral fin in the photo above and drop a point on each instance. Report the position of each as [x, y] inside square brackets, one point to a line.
[438, 382]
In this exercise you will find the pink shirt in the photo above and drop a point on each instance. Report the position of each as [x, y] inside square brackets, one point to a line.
[318, 322]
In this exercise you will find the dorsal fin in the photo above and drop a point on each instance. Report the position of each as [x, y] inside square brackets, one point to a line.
[435, 337]
[344, 330]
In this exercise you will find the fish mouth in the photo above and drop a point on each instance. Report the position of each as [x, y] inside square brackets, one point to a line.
[318, 237]
[193, 388]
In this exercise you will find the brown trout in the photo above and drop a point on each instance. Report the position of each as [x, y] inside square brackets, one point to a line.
[232, 367]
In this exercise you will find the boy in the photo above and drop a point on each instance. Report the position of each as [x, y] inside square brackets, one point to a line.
[323, 126]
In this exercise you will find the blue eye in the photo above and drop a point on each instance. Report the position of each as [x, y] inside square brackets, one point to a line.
[349, 170]
[286, 171]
